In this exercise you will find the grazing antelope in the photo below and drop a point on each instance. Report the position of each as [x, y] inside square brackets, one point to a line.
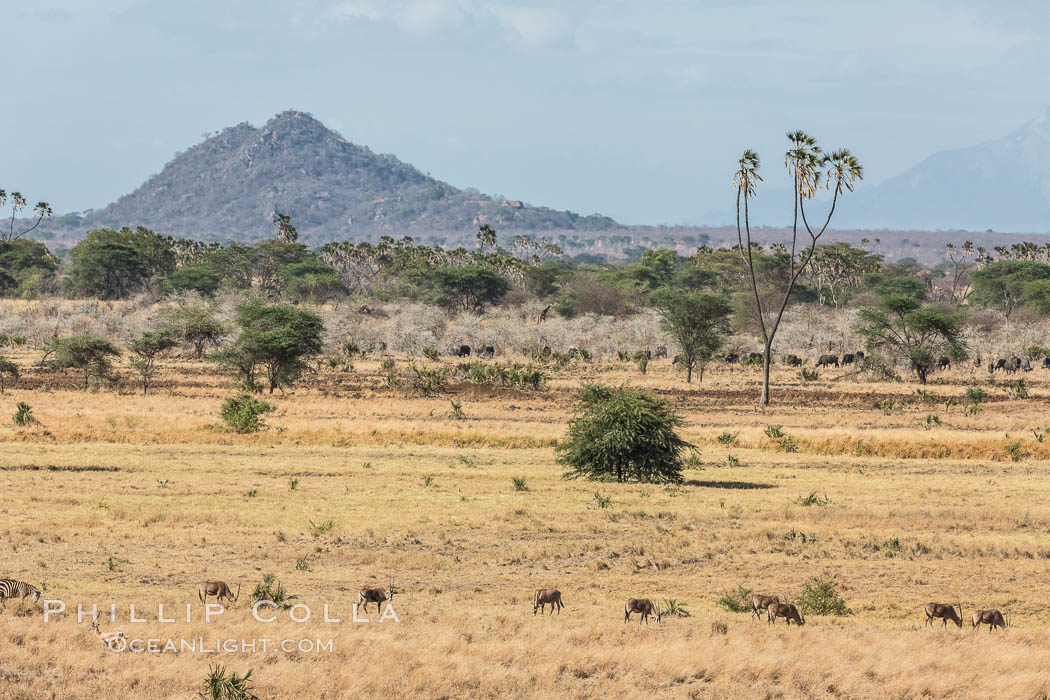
[644, 607]
[375, 595]
[10, 588]
[762, 602]
[545, 596]
[992, 618]
[942, 612]
[219, 589]
[107, 638]
[785, 610]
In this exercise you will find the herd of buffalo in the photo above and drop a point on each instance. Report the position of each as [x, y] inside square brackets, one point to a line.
[1008, 365]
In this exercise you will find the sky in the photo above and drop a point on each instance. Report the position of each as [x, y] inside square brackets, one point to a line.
[633, 109]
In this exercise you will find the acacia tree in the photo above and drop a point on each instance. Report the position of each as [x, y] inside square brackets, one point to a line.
[86, 353]
[907, 329]
[42, 211]
[148, 348]
[808, 165]
[698, 322]
[196, 325]
[1001, 285]
[276, 338]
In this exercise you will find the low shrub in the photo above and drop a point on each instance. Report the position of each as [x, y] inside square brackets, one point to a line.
[820, 596]
[243, 413]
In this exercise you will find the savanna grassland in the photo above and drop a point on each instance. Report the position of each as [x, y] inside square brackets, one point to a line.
[900, 497]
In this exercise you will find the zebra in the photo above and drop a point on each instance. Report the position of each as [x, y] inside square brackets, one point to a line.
[10, 588]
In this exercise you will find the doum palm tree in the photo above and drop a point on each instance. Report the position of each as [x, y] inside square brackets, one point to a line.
[809, 167]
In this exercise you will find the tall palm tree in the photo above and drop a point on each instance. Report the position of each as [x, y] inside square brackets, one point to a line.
[809, 167]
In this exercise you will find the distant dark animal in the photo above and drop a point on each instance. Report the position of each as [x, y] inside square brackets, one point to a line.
[547, 351]
[760, 603]
[644, 607]
[847, 359]
[382, 346]
[488, 352]
[375, 595]
[677, 360]
[991, 367]
[754, 357]
[977, 361]
[999, 364]
[793, 361]
[859, 354]
[944, 363]
[992, 618]
[785, 610]
[547, 596]
[661, 352]
[826, 360]
[1026, 366]
[732, 358]
[464, 351]
[943, 612]
[573, 352]
[364, 309]
[1046, 363]
[1013, 365]
[648, 354]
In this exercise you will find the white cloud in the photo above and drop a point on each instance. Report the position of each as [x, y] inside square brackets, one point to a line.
[536, 26]
[532, 26]
[359, 10]
[428, 16]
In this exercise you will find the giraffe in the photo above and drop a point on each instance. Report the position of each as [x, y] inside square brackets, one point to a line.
[542, 316]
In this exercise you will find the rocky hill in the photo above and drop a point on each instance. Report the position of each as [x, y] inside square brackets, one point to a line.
[227, 187]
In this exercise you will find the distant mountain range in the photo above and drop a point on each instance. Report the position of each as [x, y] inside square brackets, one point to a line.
[1002, 185]
[227, 188]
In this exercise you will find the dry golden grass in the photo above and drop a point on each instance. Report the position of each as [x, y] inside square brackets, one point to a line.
[913, 516]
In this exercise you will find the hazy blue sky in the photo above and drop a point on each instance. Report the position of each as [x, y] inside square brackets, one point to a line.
[630, 108]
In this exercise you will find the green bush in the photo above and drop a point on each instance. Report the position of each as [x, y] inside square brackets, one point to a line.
[498, 374]
[622, 434]
[423, 382]
[272, 590]
[821, 597]
[737, 601]
[243, 413]
[219, 686]
[24, 414]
